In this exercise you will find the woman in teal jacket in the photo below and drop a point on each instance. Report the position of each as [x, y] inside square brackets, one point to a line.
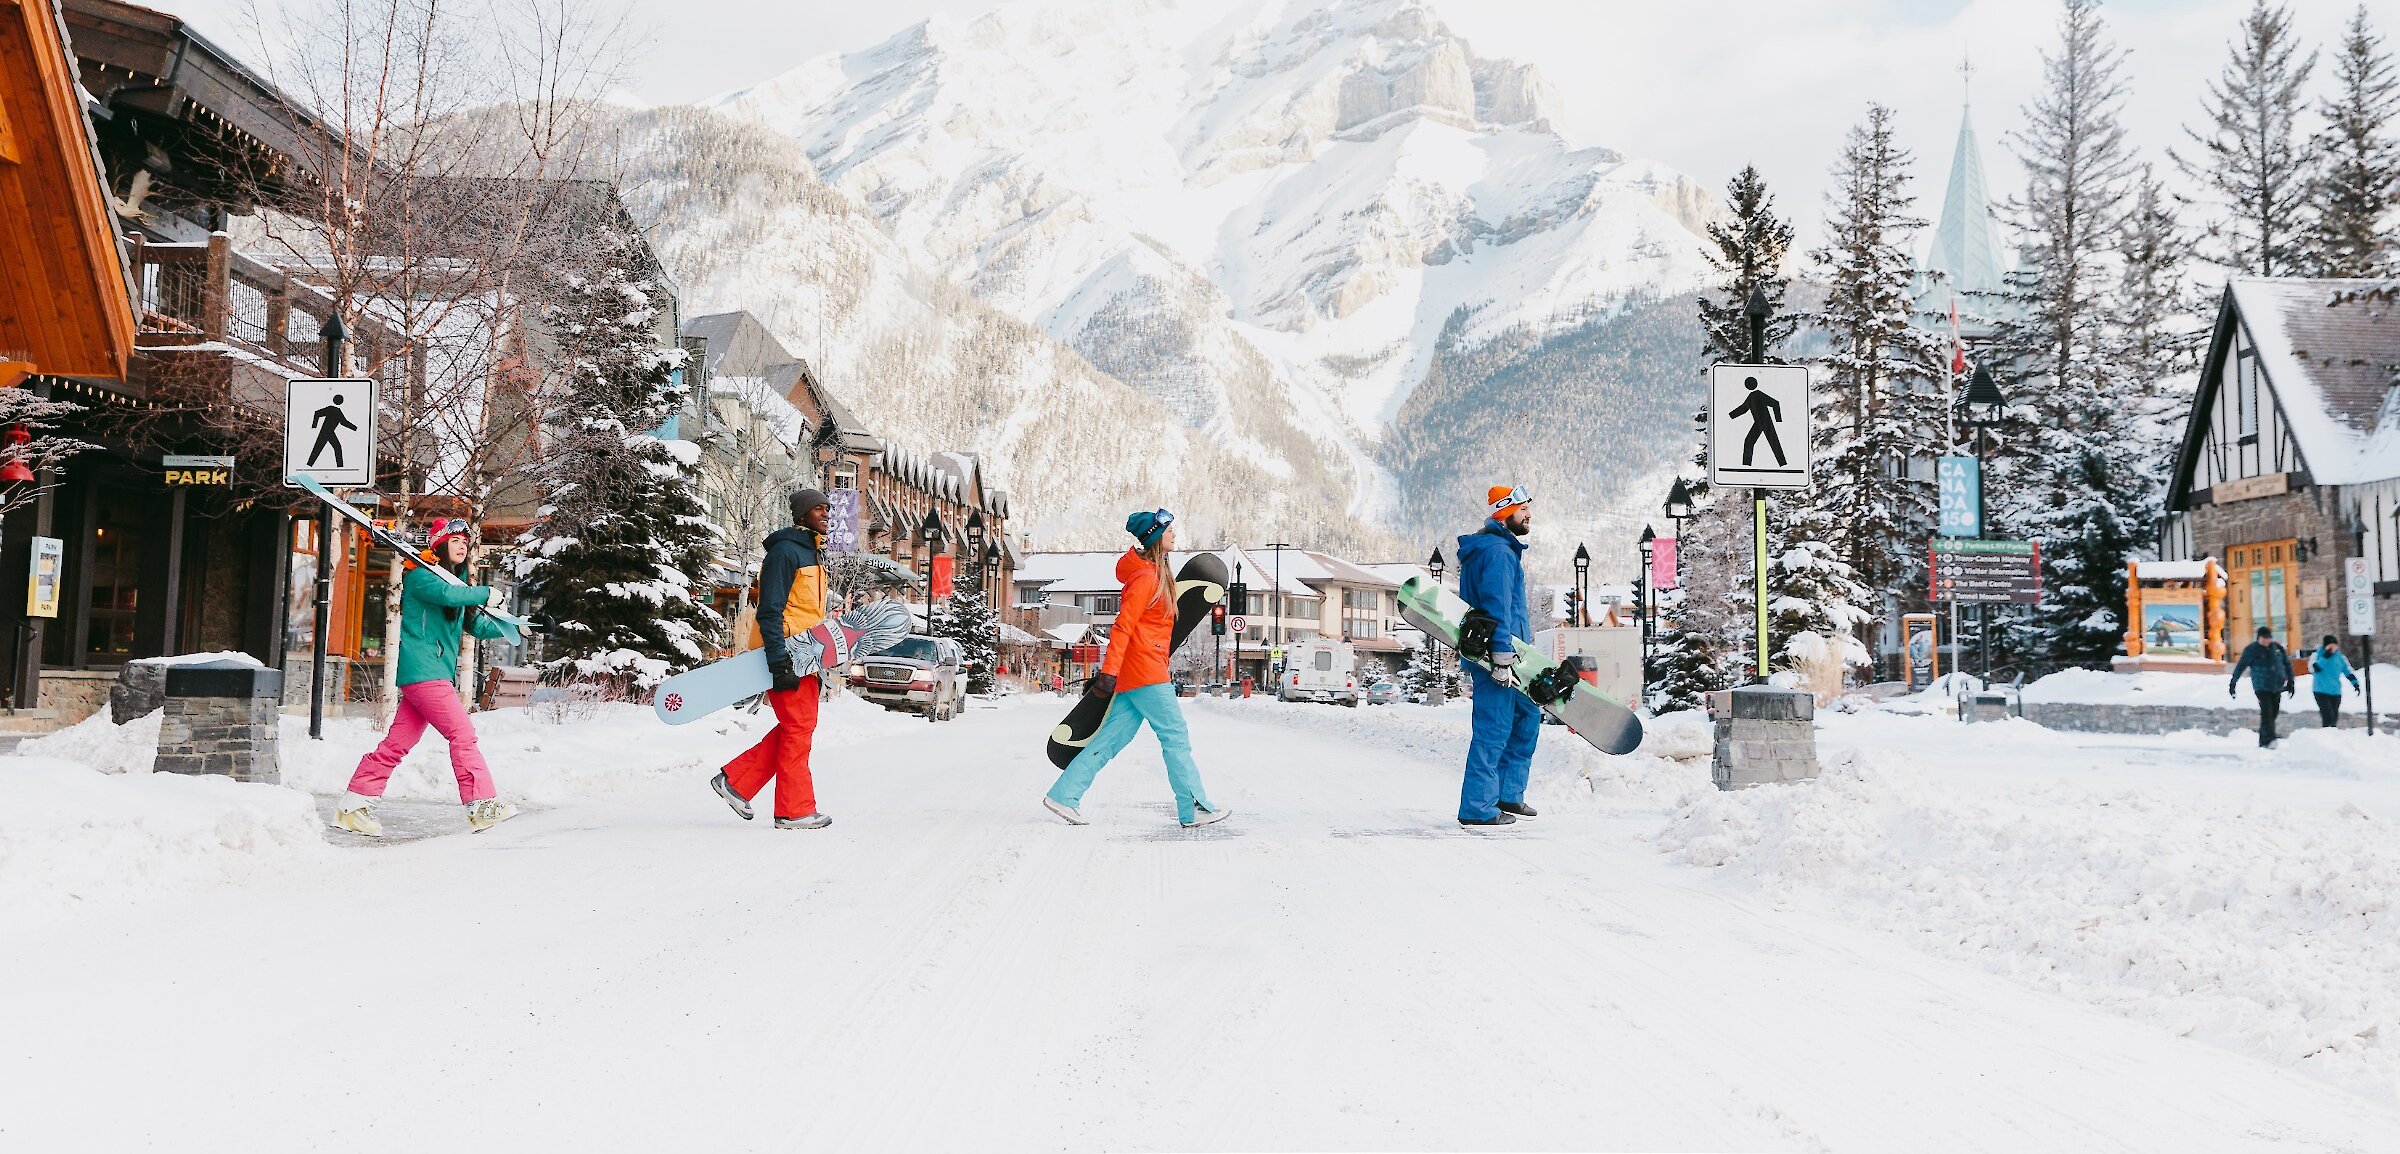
[2327, 672]
[433, 615]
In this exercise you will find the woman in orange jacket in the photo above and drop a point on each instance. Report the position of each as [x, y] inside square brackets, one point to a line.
[1133, 680]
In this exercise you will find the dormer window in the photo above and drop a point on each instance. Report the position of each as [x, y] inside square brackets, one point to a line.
[2245, 395]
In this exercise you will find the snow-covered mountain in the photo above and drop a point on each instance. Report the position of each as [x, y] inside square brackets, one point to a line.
[1266, 215]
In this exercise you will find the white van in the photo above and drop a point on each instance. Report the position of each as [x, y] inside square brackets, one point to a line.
[1319, 669]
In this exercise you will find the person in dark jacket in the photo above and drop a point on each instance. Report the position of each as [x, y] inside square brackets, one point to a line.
[2326, 673]
[791, 601]
[2270, 667]
[1507, 724]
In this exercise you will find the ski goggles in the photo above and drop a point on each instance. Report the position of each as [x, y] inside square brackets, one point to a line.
[1515, 497]
[444, 528]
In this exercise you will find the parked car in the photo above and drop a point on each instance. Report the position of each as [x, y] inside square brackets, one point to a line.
[1383, 693]
[919, 675]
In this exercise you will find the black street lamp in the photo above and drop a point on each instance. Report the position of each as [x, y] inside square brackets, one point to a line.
[1433, 693]
[1982, 408]
[1583, 585]
[1642, 595]
[975, 548]
[931, 534]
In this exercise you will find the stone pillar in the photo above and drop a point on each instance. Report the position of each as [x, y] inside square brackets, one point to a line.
[1765, 735]
[222, 717]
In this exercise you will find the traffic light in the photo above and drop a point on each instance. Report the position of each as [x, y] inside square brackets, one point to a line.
[1216, 620]
[1238, 596]
[1572, 616]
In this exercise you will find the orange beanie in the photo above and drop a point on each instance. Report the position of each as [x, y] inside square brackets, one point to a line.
[1501, 498]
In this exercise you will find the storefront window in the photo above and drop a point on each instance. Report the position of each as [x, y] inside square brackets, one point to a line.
[116, 578]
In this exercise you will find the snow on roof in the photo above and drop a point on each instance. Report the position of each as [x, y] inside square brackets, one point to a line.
[1258, 570]
[1397, 572]
[1070, 572]
[2329, 348]
[1071, 634]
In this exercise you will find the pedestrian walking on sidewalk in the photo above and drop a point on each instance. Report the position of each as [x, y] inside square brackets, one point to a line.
[434, 614]
[791, 601]
[2327, 672]
[1133, 680]
[1507, 724]
[2270, 668]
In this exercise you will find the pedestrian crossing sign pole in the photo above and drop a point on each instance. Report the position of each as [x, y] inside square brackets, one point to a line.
[1758, 437]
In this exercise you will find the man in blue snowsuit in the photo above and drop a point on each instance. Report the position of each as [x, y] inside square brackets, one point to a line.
[1491, 577]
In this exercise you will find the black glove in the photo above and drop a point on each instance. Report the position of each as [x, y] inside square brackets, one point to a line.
[2229, 690]
[1101, 687]
[787, 677]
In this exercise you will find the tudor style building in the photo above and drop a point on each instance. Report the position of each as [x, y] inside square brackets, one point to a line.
[2291, 455]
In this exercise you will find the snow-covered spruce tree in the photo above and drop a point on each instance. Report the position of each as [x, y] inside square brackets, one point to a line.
[2358, 161]
[1701, 640]
[1816, 608]
[1880, 410]
[968, 620]
[2081, 474]
[2250, 157]
[619, 559]
[1427, 668]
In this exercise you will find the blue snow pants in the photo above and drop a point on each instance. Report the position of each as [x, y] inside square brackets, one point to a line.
[1500, 753]
[1127, 711]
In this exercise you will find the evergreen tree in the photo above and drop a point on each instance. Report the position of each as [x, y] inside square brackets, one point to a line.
[1880, 409]
[2358, 155]
[2251, 156]
[1430, 665]
[621, 555]
[1818, 607]
[970, 621]
[2153, 338]
[1701, 638]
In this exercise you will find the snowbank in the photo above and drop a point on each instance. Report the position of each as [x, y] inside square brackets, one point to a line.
[70, 835]
[104, 745]
[2267, 930]
[2195, 690]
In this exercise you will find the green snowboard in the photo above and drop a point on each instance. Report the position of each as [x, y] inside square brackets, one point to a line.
[1594, 716]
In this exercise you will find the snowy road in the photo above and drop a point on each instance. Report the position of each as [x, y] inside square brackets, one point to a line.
[947, 967]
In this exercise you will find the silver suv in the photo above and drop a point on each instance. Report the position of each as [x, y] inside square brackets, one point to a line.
[919, 675]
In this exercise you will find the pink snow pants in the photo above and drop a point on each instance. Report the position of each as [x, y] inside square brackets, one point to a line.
[433, 702]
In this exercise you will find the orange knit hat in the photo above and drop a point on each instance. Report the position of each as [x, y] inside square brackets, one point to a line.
[1502, 498]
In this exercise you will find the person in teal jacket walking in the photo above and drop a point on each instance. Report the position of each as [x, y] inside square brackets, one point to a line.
[2326, 675]
[434, 614]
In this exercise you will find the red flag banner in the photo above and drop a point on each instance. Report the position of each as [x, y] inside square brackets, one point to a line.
[942, 566]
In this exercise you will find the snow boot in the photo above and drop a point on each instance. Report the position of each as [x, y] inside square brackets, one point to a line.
[1518, 810]
[1503, 818]
[1207, 817]
[1066, 813]
[812, 821]
[357, 814]
[491, 811]
[724, 788]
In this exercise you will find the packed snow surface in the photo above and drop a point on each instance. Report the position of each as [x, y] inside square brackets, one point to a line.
[1961, 937]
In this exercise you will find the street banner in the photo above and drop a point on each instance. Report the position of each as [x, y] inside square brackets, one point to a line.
[1960, 480]
[1920, 636]
[841, 524]
[1662, 563]
[1758, 426]
[943, 563]
[1987, 572]
[2358, 595]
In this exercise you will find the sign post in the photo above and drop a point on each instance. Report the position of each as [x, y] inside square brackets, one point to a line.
[328, 437]
[1758, 436]
[2358, 596]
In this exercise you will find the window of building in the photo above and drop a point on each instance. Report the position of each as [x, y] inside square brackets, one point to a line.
[116, 576]
[1100, 603]
[2245, 395]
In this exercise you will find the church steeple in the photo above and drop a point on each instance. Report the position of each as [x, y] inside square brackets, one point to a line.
[1966, 244]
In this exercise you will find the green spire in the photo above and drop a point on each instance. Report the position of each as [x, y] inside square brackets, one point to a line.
[1965, 244]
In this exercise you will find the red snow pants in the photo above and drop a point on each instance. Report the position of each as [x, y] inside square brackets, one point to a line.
[783, 753]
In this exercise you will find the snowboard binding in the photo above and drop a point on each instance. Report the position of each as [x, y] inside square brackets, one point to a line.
[1476, 632]
[1556, 683]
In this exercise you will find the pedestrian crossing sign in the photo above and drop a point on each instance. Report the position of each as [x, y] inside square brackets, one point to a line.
[329, 432]
[1758, 426]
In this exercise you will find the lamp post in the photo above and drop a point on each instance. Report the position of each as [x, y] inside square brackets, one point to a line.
[333, 334]
[1433, 693]
[1983, 404]
[1278, 547]
[931, 533]
[1642, 595]
[975, 547]
[1583, 585]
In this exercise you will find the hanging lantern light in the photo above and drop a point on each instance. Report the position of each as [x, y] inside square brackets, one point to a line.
[15, 472]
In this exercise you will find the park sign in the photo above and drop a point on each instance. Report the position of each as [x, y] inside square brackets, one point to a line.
[1758, 426]
[210, 470]
[1973, 571]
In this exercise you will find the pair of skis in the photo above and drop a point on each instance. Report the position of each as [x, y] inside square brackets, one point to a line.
[409, 555]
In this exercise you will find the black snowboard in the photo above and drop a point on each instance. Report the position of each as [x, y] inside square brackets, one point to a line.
[1199, 587]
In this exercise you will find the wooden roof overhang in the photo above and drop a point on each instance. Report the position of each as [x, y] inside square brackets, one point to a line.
[64, 306]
